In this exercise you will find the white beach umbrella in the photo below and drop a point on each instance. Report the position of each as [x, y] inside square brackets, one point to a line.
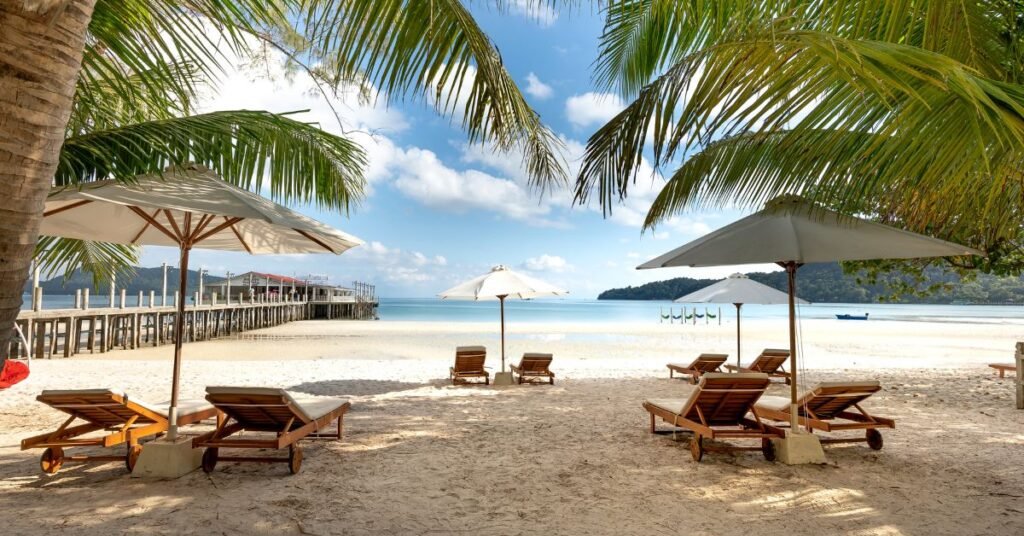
[790, 231]
[188, 207]
[498, 284]
[738, 289]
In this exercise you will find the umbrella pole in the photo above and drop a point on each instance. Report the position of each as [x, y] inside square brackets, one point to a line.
[179, 330]
[791, 277]
[738, 305]
[502, 300]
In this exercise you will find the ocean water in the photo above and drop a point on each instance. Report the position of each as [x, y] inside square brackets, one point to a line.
[558, 310]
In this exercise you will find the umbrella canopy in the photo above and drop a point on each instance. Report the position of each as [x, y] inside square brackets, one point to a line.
[186, 207]
[498, 284]
[738, 289]
[791, 231]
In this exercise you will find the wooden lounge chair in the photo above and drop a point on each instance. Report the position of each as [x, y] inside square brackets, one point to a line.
[534, 368]
[1003, 369]
[123, 421]
[272, 410]
[769, 362]
[717, 409]
[832, 407]
[703, 364]
[469, 363]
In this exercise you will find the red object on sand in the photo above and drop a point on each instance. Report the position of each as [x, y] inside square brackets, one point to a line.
[13, 372]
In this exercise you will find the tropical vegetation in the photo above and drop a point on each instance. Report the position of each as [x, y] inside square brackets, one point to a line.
[910, 112]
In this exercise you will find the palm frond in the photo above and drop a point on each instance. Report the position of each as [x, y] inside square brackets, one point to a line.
[436, 50]
[301, 162]
[101, 259]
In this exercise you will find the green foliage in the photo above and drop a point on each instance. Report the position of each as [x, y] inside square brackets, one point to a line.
[139, 279]
[912, 110]
[832, 283]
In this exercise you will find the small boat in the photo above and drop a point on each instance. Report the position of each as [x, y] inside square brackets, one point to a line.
[853, 317]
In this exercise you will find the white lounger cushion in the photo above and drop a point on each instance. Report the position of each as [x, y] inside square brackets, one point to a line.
[309, 408]
[671, 405]
[777, 403]
[471, 349]
[185, 407]
[537, 355]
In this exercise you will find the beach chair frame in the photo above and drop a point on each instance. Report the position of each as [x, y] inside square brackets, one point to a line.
[266, 413]
[770, 362]
[534, 368]
[1003, 368]
[126, 423]
[469, 363]
[711, 425]
[702, 365]
[827, 409]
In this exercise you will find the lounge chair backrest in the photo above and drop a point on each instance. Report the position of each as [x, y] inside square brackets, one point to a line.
[724, 399]
[770, 360]
[101, 406]
[535, 362]
[826, 400]
[708, 362]
[470, 358]
[257, 408]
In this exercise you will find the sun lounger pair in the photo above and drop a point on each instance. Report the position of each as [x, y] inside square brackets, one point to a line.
[123, 421]
[770, 362]
[721, 405]
[127, 421]
[469, 363]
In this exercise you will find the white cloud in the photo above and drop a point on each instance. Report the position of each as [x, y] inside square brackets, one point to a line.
[540, 12]
[394, 265]
[592, 108]
[547, 263]
[537, 88]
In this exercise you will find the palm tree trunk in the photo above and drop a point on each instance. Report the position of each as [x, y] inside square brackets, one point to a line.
[41, 47]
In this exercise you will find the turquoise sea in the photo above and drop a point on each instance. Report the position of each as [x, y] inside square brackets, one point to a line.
[633, 312]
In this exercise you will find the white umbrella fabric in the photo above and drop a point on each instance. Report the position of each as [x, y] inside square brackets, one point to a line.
[790, 231]
[498, 284]
[185, 207]
[738, 289]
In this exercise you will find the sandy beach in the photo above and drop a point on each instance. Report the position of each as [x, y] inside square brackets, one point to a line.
[422, 457]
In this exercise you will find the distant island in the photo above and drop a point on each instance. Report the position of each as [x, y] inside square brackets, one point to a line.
[144, 279]
[826, 283]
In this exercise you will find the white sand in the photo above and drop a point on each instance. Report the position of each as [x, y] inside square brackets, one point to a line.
[421, 457]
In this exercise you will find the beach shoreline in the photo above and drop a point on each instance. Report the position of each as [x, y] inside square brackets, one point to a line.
[422, 457]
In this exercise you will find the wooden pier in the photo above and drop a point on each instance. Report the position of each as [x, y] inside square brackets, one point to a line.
[66, 332]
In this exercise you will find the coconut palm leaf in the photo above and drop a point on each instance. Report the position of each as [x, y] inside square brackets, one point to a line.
[436, 50]
[294, 161]
[101, 259]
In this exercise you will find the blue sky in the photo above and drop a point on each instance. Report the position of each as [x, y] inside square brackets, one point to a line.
[439, 211]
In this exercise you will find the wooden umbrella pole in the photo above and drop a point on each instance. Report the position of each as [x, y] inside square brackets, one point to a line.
[179, 330]
[791, 277]
[738, 305]
[502, 300]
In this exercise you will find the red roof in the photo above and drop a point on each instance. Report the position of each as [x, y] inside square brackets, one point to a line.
[276, 277]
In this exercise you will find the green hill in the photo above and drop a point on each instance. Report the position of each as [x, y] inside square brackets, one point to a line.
[827, 283]
[145, 279]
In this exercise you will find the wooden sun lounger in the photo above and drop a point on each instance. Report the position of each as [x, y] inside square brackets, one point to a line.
[534, 368]
[832, 407]
[469, 363]
[124, 421]
[1003, 369]
[703, 364]
[717, 409]
[769, 362]
[264, 409]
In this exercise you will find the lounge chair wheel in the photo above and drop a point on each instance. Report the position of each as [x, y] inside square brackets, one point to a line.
[768, 449]
[874, 439]
[294, 458]
[210, 459]
[51, 460]
[132, 456]
[696, 448]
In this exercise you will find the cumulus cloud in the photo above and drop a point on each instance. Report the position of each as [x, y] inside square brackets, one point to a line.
[537, 88]
[540, 12]
[592, 108]
[547, 263]
[394, 265]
